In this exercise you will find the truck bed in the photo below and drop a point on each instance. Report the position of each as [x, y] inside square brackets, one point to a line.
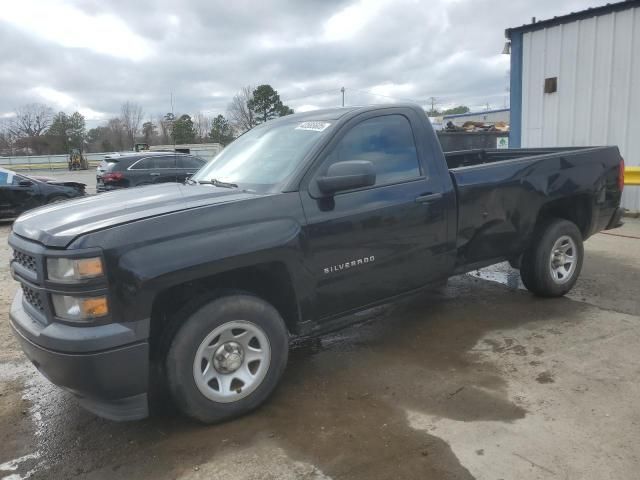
[467, 158]
[500, 194]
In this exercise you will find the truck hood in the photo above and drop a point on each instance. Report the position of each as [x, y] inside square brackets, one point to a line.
[58, 224]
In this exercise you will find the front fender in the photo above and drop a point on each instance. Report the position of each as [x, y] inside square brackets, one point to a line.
[146, 270]
[148, 256]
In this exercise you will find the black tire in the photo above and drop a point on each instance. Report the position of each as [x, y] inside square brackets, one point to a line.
[536, 269]
[198, 324]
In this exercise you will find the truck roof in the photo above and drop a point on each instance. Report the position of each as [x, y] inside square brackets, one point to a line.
[338, 112]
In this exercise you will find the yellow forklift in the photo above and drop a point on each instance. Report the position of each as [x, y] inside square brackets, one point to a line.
[77, 161]
[141, 147]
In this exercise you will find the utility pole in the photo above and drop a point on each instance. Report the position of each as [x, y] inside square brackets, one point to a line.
[342, 90]
[173, 123]
[433, 104]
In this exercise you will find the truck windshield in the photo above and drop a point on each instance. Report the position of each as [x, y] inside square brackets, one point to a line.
[265, 155]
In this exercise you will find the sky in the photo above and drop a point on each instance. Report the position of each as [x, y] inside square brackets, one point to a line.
[93, 55]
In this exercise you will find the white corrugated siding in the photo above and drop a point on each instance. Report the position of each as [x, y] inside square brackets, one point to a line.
[597, 62]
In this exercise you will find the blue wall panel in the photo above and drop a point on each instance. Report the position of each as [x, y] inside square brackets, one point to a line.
[515, 129]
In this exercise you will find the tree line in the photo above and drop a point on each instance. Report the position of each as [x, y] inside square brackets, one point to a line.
[434, 112]
[35, 129]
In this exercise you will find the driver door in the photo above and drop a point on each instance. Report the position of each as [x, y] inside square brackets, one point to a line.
[372, 243]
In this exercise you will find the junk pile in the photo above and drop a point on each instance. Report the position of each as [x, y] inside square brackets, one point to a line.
[471, 126]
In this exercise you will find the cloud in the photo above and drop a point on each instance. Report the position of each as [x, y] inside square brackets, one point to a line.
[49, 95]
[69, 27]
[93, 55]
[349, 21]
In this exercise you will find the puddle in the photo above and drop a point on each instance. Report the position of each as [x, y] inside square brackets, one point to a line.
[339, 412]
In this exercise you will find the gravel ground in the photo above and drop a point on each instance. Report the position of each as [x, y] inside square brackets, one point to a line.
[478, 380]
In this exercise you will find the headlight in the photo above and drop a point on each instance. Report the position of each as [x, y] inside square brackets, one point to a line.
[79, 308]
[71, 270]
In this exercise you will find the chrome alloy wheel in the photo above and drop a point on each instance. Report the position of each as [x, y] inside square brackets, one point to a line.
[563, 259]
[232, 361]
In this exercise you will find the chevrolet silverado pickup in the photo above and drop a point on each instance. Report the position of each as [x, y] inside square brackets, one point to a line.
[294, 227]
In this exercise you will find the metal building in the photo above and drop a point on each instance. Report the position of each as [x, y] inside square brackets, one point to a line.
[487, 116]
[575, 80]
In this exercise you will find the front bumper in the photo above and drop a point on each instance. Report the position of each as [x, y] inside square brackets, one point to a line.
[110, 382]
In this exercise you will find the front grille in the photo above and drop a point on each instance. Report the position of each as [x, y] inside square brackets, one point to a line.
[32, 297]
[26, 260]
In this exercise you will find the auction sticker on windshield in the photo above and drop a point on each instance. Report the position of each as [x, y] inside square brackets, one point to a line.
[314, 126]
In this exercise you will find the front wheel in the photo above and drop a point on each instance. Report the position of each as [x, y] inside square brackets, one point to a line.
[551, 266]
[227, 358]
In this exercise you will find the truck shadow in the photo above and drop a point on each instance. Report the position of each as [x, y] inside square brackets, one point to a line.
[344, 402]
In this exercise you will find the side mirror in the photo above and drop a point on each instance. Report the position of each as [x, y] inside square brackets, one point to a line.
[25, 183]
[347, 176]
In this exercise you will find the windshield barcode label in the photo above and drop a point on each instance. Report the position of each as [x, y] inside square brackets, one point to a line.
[315, 126]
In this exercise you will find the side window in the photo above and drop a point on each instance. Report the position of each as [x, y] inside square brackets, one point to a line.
[17, 179]
[8, 178]
[387, 142]
[148, 163]
[166, 161]
[189, 162]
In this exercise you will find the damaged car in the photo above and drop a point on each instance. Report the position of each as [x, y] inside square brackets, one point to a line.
[19, 193]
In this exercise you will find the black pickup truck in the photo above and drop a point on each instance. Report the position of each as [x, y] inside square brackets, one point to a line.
[295, 226]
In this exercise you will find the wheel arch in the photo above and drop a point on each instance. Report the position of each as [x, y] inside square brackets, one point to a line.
[270, 281]
[577, 209]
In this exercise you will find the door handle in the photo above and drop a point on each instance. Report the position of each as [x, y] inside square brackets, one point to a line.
[428, 197]
[154, 174]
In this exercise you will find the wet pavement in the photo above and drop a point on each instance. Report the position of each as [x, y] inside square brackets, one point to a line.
[477, 380]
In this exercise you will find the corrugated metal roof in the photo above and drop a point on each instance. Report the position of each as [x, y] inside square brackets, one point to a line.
[573, 16]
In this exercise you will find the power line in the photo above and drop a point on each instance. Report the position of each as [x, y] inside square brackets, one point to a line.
[286, 100]
[385, 96]
[315, 94]
[433, 101]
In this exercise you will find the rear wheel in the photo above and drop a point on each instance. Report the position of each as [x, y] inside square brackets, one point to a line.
[227, 357]
[551, 267]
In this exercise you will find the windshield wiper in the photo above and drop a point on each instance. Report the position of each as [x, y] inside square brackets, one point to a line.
[217, 183]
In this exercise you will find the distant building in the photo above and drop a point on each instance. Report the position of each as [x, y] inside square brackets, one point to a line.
[487, 116]
[436, 123]
[205, 151]
[575, 80]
